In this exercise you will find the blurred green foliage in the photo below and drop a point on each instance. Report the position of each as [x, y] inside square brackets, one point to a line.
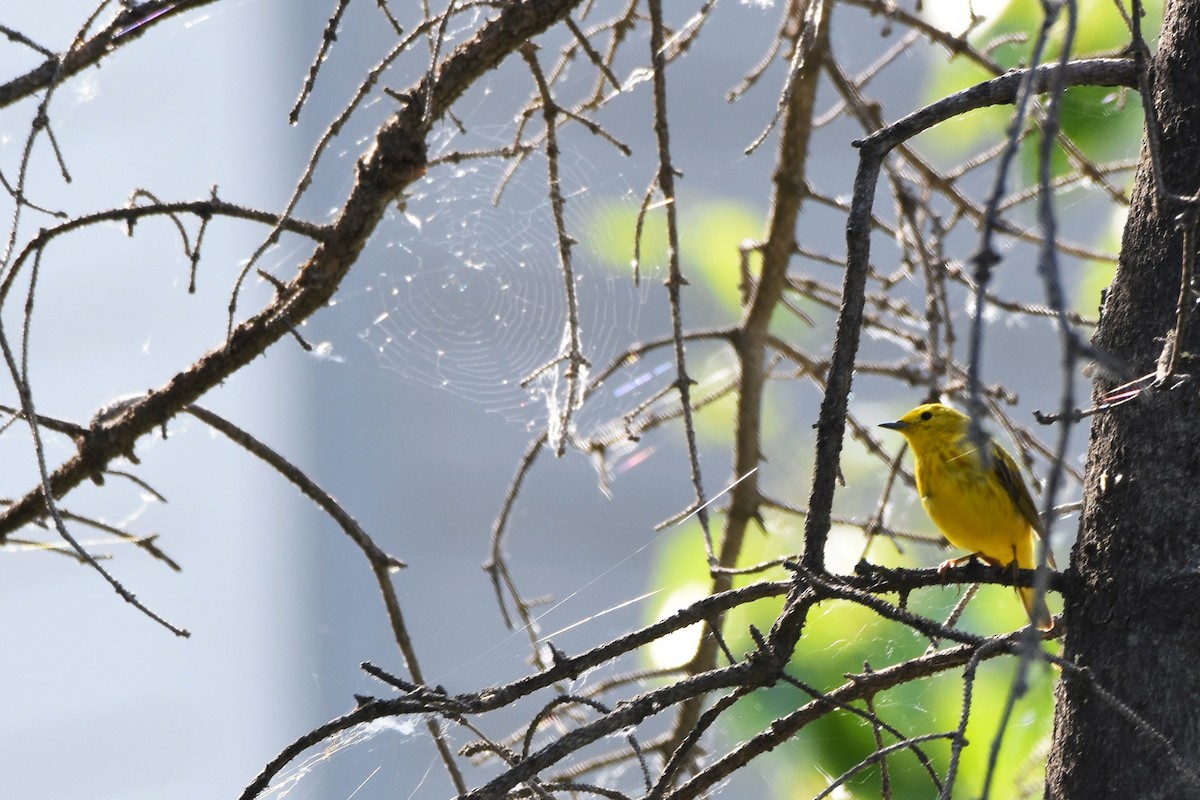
[711, 235]
[1102, 121]
[842, 638]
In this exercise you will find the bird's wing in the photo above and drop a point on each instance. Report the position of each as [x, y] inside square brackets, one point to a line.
[1009, 475]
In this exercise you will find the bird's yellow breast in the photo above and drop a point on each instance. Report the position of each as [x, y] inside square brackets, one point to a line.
[969, 505]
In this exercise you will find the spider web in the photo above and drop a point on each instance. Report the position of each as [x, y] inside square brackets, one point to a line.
[471, 297]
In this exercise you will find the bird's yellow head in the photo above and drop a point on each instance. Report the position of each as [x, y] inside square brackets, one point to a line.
[930, 423]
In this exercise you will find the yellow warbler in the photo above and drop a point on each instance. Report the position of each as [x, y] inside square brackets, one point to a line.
[980, 504]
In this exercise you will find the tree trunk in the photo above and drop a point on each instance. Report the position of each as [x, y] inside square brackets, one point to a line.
[1132, 609]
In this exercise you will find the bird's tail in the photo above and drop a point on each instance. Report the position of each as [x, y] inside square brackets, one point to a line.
[1039, 614]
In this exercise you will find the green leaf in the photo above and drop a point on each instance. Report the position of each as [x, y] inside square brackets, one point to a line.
[711, 233]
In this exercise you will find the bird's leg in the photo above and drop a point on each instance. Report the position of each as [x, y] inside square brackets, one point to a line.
[1012, 568]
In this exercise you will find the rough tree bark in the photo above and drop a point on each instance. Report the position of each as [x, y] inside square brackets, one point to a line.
[1131, 611]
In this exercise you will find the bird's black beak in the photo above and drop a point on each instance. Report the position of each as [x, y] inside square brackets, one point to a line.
[894, 426]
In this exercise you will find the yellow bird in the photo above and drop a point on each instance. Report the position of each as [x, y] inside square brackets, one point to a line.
[980, 504]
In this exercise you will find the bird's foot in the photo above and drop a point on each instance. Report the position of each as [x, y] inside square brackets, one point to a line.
[956, 562]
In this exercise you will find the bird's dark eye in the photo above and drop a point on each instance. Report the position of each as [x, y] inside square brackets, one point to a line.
[926, 415]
